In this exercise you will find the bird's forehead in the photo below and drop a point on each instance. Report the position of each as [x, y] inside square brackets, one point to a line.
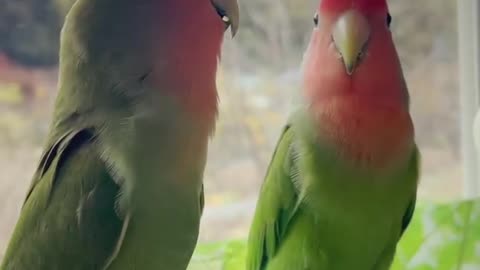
[339, 5]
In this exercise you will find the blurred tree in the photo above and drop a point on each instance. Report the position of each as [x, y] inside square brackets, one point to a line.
[29, 41]
[29, 31]
[279, 28]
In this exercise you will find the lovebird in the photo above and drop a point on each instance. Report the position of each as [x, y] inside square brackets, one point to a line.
[119, 184]
[341, 187]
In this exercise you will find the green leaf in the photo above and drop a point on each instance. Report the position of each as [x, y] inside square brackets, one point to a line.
[442, 237]
[228, 255]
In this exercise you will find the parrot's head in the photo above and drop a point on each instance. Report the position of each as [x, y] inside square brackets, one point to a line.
[351, 26]
[229, 13]
[353, 80]
[166, 46]
[352, 49]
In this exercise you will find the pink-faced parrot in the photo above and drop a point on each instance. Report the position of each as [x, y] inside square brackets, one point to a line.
[341, 187]
[119, 184]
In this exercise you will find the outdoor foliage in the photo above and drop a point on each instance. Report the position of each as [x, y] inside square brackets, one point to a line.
[30, 30]
[440, 237]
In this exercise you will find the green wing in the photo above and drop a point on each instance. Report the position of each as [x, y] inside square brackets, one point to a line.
[68, 220]
[275, 206]
[407, 218]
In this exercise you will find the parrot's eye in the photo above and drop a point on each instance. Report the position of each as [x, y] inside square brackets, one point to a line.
[315, 19]
[389, 20]
[223, 15]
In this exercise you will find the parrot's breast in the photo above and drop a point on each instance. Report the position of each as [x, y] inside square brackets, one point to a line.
[367, 134]
[160, 163]
[335, 241]
[347, 220]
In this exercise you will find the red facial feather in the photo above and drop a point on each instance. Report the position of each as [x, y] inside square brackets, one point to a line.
[337, 5]
[364, 115]
[191, 54]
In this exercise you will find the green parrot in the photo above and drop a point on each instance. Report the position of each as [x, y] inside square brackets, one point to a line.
[341, 187]
[119, 184]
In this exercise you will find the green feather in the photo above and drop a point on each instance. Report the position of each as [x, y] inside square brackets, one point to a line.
[315, 212]
[68, 220]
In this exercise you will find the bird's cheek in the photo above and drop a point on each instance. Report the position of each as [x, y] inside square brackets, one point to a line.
[312, 75]
[332, 50]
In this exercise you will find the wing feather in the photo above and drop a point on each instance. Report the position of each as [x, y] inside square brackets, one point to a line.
[68, 220]
[275, 207]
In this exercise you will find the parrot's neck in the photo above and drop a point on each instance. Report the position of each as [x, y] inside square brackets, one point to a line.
[187, 63]
[194, 90]
[170, 47]
[372, 134]
[191, 76]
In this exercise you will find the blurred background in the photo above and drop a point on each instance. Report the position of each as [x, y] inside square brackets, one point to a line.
[260, 73]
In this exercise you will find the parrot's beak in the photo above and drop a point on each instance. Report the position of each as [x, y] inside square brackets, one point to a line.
[351, 33]
[234, 18]
[232, 13]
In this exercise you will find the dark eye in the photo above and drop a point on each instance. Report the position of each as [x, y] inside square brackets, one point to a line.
[315, 19]
[389, 20]
[223, 15]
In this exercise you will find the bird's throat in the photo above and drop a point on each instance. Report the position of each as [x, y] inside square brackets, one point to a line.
[367, 133]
